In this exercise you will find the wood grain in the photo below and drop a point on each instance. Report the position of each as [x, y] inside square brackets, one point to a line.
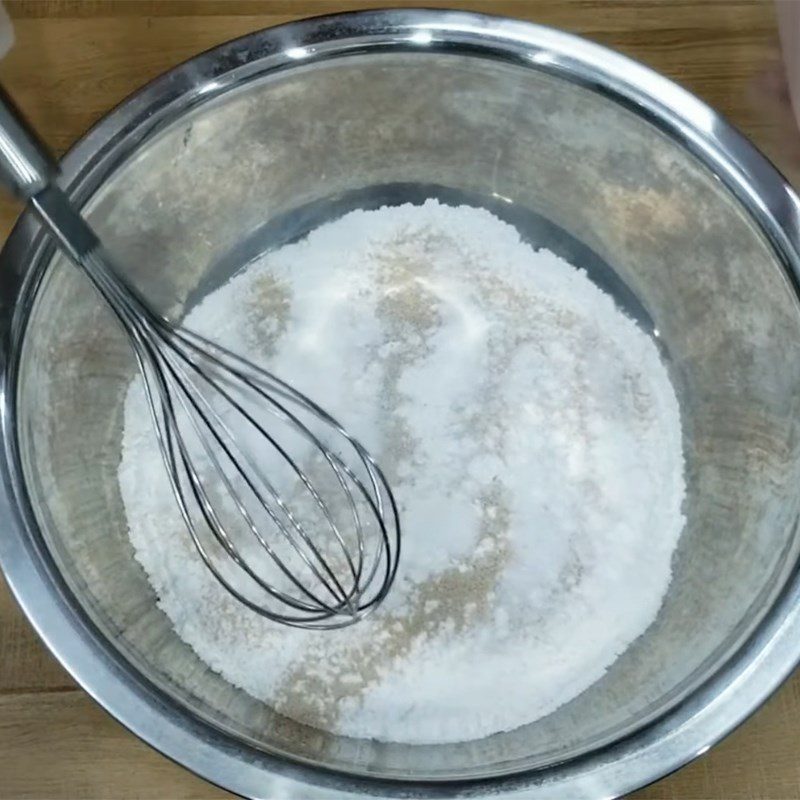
[75, 59]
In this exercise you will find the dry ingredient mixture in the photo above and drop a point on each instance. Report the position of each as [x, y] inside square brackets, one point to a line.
[530, 433]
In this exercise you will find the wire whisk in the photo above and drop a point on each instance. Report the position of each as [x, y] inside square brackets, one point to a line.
[287, 510]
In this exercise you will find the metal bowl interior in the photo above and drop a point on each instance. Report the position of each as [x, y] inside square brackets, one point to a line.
[188, 203]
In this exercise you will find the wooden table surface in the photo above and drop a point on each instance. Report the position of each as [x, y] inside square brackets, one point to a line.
[74, 59]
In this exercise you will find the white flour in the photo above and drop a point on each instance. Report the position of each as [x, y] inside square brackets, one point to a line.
[530, 433]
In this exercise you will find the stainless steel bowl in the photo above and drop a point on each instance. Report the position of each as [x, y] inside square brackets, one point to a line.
[270, 133]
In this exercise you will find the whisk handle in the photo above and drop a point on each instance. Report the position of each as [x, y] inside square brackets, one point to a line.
[26, 166]
[29, 171]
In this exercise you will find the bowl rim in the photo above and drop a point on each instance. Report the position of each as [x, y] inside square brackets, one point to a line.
[686, 731]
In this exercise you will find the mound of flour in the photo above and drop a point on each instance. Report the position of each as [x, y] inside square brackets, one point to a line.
[532, 438]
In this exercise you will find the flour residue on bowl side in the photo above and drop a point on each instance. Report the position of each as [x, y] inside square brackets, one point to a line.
[530, 433]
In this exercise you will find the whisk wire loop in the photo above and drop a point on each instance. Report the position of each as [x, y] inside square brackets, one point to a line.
[191, 386]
